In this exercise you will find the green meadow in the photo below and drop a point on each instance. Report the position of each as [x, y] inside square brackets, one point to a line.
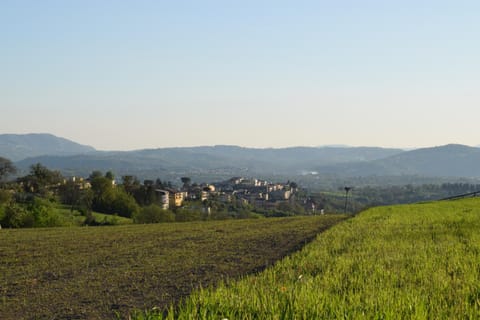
[418, 261]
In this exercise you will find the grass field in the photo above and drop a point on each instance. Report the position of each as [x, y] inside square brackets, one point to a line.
[96, 272]
[401, 262]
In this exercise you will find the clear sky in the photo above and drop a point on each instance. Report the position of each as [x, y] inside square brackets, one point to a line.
[122, 75]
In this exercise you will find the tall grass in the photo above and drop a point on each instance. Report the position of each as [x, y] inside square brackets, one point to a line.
[400, 262]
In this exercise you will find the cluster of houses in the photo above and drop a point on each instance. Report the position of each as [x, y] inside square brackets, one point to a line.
[258, 193]
[255, 192]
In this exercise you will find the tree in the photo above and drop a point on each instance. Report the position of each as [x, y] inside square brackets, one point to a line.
[6, 168]
[40, 179]
[123, 204]
[85, 202]
[159, 184]
[101, 186]
[16, 217]
[145, 194]
[186, 182]
[108, 199]
[148, 183]
[37, 213]
[95, 174]
[70, 194]
[109, 175]
[102, 192]
[130, 184]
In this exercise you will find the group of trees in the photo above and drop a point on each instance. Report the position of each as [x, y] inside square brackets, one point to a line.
[107, 198]
[27, 203]
[33, 200]
[144, 194]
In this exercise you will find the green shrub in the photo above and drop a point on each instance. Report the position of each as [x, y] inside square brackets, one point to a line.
[37, 213]
[153, 214]
[44, 214]
[15, 216]
[184, 215]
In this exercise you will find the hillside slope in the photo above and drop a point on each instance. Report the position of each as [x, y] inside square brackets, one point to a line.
[401, 262]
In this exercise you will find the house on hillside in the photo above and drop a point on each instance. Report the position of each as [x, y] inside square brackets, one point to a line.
[280, 195]
[175, 198]
[163, 198]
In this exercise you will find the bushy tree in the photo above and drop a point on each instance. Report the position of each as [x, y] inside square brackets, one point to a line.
[112, 200]
[109, 175]
[6, 168]
[145, 194]
[186, 182]
[123, 204]
[70, 194]
[37, 213]
[40, 179]
[85, 202]
[44, 213]
[130, 184]
[16, 216]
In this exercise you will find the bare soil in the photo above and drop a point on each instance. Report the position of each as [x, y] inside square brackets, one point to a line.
[108, 272]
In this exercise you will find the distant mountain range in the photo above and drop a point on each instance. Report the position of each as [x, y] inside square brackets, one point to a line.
[445, 161]
[75, 159]
[229, 159]
[20, 146]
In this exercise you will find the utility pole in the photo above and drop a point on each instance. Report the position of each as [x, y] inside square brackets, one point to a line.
[347, 189]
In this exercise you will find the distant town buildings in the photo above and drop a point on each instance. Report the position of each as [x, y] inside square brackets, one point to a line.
[246, 191]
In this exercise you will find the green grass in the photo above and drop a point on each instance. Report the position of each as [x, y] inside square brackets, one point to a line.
[63, 216]
[96, 272]
[400, 262]
[69, 218]
[113, 219]
[73, 218]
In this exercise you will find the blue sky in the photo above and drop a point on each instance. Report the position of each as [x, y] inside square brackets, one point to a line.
[135, 74]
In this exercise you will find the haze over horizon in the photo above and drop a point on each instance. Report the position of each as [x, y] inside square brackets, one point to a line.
[144, 74]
